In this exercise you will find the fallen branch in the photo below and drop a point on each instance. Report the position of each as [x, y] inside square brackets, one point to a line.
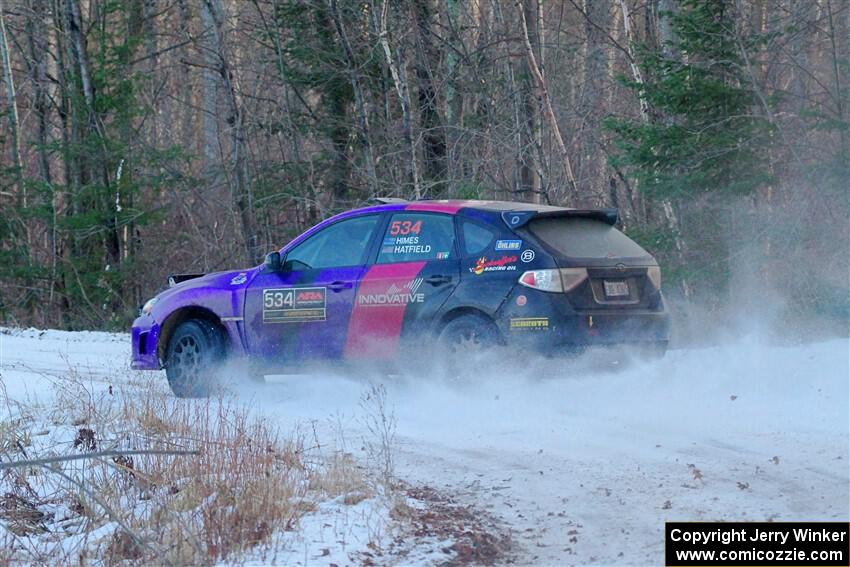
[49, 460]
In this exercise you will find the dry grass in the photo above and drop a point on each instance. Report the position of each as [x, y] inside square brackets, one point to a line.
[247, 483]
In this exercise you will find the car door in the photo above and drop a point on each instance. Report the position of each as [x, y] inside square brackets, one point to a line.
[302, 311]
[415, 270]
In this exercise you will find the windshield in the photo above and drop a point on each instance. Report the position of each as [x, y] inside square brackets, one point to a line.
[585, 238]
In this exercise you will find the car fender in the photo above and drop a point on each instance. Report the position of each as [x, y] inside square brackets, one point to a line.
[218, 297]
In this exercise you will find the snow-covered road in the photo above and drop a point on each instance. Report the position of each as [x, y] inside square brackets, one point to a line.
[583, 464]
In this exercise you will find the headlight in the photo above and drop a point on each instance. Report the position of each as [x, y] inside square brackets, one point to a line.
[148, 307]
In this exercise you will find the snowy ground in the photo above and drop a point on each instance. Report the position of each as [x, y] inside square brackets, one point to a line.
[582, 463]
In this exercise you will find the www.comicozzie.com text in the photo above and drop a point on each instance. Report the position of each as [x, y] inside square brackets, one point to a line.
[757, 534]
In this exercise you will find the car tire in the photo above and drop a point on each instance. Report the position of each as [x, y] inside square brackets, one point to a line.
[658, 350]
[655, 351]
[255, 373]
[468, 334]
[194, 349]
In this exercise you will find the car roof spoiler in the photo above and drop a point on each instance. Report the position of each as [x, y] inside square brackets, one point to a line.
[518, 219]
[388, 200]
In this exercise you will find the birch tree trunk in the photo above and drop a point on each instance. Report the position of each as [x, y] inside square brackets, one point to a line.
[591, 166]
[400, 82]
[549, 111]
[426, 64]
[520, 170]
[359, 98]
[240, 191]
[532, 102]
[211, 78]
[12, 102]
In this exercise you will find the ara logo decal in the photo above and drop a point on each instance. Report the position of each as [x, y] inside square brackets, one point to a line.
[508, 244]
[310, 296]
[505, 263]
[394, 295]
[239, 279]
[294, 305]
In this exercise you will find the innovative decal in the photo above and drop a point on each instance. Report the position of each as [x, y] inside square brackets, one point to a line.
[508, 244]
[530, 324]
[294, 305]
[375, 333]
[394, 295]
[505, 263]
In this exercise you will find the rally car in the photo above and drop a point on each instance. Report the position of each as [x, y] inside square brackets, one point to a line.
[378, 282]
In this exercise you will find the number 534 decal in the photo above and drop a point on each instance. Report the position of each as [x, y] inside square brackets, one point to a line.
[403, 228]
[294, 305]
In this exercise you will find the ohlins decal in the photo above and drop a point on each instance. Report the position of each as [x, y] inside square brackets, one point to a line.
[395, 295]
[294, 305]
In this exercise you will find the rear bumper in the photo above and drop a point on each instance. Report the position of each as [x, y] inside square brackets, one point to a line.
[145, 336]
[546, 322]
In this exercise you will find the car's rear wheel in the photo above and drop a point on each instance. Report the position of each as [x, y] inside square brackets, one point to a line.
[193, 350]
[466, 336]
[655, 351]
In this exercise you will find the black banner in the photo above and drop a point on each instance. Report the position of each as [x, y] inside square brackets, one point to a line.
[764, 544]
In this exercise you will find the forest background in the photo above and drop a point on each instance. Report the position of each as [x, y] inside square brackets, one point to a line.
[144, 137]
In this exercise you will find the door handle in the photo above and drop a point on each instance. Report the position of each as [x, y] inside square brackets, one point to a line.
[438, 280]
[339, 286]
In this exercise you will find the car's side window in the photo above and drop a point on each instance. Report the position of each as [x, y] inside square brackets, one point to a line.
[476, 237]
[412, 237]
[341, 244]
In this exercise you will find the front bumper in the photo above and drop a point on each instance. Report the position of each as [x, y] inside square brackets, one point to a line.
[145, 337]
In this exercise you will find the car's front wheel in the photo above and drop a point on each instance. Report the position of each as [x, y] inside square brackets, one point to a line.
[194, 349]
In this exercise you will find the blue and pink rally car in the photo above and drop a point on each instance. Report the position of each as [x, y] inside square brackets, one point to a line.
[378, 282]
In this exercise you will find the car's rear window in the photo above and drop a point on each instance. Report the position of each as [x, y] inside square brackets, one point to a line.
[585, 238]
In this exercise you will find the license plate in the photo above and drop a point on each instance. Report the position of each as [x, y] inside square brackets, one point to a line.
[616, 289]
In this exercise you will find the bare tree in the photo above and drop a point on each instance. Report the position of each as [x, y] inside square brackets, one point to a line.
[549, 112]
[12, 102]
[400, 82]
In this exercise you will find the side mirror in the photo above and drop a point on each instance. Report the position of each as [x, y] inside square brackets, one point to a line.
[273, 262]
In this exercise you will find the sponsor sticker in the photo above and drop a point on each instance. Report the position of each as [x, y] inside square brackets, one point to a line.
[239, 279]
[442, 255]
[294, 305]
[505, 263]
[396, 294]
[530, 324]
[410, 245]
[521, 300]
[527, 256]
[508, 244]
